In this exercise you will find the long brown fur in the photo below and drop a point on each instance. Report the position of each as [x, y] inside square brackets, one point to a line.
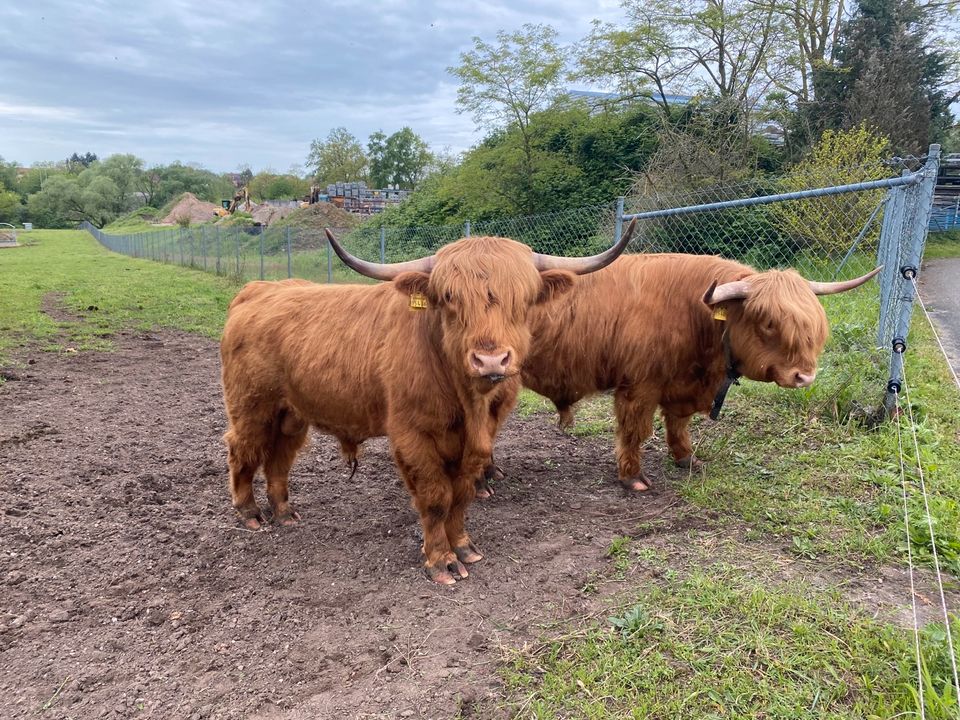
[356, 361]
[641, 328]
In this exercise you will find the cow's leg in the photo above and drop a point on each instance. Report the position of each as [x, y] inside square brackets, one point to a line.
[455, 525]
[423, 471]
[499, 411]
[634, 409]
[289, 437]
[244, 456]
[678, 439]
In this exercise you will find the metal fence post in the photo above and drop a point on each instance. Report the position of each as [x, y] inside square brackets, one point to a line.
[383, 244]
[466, 229]
[289, 258]
[236, 237]
[618, 225]
[907, 259]
[218, 248]
[203, 246]
[261, 254]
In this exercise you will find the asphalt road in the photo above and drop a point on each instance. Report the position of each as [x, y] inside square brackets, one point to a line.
[940, 290]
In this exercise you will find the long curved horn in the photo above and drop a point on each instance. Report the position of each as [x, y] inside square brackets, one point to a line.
[379, 271]
[584, 265]
[829, 288]
[736, 290]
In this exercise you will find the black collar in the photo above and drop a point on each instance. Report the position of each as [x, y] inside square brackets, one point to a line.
[732, 378]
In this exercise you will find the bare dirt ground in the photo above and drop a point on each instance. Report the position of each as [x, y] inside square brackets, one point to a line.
[127, 588]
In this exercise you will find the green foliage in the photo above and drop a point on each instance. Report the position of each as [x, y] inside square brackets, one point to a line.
[175, 179]
[576, 158]
[503, 85]
[270, 186]
[67, 200]
[339, 158]
[887, 72]
[400, 160]
[10, 207]
[839, 158]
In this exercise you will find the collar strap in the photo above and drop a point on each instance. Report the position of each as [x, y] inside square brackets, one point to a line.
[732, 377]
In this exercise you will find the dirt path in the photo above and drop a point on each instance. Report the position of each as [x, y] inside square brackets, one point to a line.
[127, 588]
[940, 290]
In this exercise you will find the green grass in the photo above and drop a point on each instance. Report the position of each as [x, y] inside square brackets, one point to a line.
[942, 244]
[101, 292]
[715, 643]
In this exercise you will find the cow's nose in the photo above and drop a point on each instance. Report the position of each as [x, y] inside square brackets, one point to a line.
[803, 379]
[495, 364]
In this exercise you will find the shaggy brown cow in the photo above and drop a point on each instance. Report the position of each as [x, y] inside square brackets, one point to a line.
[431, 360]
[665, 330]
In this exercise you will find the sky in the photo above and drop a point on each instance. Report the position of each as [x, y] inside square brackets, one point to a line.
[225, 84]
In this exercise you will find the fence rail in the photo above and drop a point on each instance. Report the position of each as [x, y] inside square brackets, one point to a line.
[822, 229]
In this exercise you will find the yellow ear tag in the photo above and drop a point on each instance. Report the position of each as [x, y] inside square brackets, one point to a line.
[418, 301]
[720, 313]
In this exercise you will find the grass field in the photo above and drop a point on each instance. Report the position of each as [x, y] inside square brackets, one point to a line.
[706, 625]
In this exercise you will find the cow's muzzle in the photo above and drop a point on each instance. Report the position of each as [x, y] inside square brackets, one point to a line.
[492, 366]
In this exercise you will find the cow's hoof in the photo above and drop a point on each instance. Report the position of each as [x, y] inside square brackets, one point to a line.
[636, 484]
[565, 419]
[468, 553]
[288, 518]
[691, 462]
[447, 570]
[252, 518]
[482, 488]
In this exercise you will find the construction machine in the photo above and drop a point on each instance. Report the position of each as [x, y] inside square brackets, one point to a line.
[241, 197]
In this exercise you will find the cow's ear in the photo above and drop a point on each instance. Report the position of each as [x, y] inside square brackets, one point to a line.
[412, 283]
[554, 283]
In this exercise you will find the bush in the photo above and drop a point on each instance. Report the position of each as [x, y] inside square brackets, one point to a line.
[830, 225]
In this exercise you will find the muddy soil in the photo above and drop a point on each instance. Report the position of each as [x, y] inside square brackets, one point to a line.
[127, 588]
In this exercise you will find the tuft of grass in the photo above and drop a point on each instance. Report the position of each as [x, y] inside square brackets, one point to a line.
[718, 644]
[92, 293]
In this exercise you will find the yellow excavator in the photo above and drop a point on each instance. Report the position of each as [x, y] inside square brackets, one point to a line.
[241, 197]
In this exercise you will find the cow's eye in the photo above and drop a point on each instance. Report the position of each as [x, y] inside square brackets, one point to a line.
[448, 297]
[491, 298]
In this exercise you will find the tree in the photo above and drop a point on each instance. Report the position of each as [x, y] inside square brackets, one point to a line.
[78, 163]
[813, 31]
[8, 174]
[124, 171]
[400, 160]
[270, 186]
[65, 200]
[716, 47]
[887, 72]
[10, 206]
[339, 158]
[504, 85]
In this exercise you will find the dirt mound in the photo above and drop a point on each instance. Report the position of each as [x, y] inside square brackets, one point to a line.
[192, 207]
[320, 215]
[268, 214]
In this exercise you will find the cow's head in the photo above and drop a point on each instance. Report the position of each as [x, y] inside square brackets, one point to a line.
[481, 290]
[776, 327]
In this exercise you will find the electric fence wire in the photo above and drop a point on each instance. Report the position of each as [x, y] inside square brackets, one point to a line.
[916, 292]
[913, 592]
[933, 542]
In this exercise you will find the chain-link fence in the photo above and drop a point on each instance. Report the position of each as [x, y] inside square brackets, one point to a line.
[827, 224]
